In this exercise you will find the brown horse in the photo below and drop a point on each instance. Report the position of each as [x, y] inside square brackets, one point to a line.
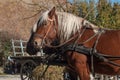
[56, 29]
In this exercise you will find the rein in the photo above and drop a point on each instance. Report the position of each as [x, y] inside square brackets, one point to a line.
[57, 46]
[72, 38]
[48, 28]
[62, 44]
[93, 52]
[103, 58]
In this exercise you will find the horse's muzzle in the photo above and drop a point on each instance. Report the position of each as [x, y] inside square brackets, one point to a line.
[38, 43]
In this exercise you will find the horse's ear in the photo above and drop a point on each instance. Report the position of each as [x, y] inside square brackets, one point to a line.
[51, 13]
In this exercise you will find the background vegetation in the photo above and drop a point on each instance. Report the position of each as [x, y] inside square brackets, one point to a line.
[103, 13]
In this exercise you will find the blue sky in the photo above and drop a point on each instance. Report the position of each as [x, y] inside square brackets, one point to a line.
[97, 0]
[115, 1]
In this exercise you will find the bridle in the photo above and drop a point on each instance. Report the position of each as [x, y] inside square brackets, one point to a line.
[45, 36]
[77, 37]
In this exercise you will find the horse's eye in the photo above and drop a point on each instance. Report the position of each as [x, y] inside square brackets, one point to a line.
[45, 23]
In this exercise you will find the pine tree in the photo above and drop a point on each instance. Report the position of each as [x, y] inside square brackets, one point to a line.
[91, 11]
[104, 14]
[116, 15]
[104, 10]
[83, 6]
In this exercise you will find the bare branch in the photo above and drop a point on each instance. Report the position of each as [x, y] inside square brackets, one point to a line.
[61, 5]
[29, 3]
[34, 4]
[32, 15]
[89, 12]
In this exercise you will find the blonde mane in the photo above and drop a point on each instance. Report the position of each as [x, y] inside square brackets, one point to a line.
[68, 24]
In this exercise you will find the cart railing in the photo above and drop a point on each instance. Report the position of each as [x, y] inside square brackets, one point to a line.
[18, 47]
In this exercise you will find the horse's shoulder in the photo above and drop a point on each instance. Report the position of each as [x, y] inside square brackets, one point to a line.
[111, 32]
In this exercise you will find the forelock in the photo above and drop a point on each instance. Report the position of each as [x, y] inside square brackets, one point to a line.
[34, 27]
[43, 18]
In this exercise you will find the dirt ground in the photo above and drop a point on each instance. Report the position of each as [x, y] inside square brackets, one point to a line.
[10, 77]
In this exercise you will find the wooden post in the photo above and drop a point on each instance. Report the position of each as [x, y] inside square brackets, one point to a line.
[13, 47]
[22, 49]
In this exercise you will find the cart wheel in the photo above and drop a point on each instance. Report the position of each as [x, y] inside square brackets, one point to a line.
[26, 70]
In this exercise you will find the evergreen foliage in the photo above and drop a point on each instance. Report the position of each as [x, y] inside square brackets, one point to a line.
[103, 13]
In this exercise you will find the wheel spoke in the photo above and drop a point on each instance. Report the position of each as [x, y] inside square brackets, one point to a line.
[26, 70]
[25, 78]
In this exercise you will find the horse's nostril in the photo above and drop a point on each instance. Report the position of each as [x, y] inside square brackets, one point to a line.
[35, 43]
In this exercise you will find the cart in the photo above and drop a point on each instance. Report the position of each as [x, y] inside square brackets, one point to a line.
[29, 63]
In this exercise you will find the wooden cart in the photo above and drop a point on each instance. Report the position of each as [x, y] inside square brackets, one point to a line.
[29, 63]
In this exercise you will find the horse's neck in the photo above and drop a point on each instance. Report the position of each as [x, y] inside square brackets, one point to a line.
[79, 37]
[86, 38]
[69, 24]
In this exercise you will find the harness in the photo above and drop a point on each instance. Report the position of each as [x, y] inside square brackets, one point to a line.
[80, 48]
[90, 52]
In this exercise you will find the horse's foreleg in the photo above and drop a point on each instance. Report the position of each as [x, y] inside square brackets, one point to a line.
[79, 63]
[82, 71]
[82, 68]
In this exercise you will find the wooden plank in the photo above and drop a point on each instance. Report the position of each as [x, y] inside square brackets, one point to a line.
[20, 47]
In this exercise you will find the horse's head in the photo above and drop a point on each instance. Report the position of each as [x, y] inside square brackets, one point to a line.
[55, 28]
[44, 32]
